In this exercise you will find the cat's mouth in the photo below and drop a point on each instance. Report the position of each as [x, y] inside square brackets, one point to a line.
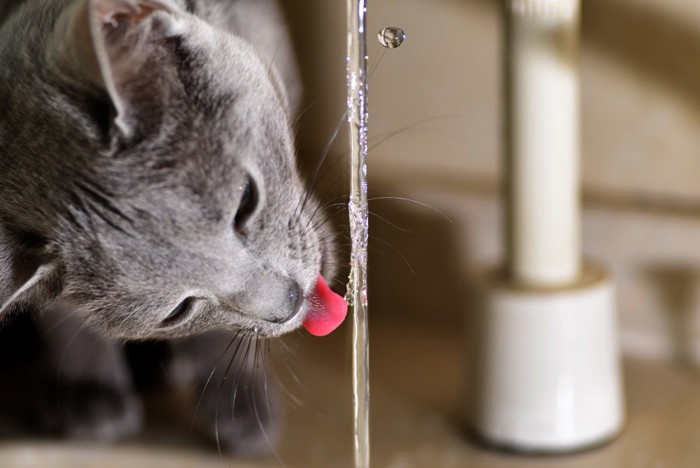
[323, 310]
[320, 312]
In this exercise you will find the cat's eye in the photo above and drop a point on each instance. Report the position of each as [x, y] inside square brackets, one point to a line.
[179, 313]
[246, 207]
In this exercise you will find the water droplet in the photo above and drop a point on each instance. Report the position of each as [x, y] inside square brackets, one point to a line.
[391, 37]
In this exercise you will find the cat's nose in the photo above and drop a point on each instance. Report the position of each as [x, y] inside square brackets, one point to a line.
[295, 298]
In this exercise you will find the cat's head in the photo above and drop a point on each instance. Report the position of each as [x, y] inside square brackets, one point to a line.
[179, 207]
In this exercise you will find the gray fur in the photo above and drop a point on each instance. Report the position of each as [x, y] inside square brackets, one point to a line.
[126, 178]
[128, 132]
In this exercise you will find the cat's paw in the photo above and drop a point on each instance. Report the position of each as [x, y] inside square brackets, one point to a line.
[246, 421]
[93, 411]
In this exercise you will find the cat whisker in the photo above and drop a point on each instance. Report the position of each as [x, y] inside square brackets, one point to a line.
[211, 374]
[382, 138]
[324, 155]
[340, 209]
[227, 304]
[375, 215]
[331, 214]
[341, 251]
[71, 314]
[59, 371]
[329, 144]
[328, 204]
[266, 353]
[376, 65]
[327, 170]
[218, 392]
[388, 244]
[289, 360]
[295, 402]
[410, 200]
[322, 208]
[267, 401]
[274, 55]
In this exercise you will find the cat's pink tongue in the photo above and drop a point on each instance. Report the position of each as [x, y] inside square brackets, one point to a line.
[327, 311]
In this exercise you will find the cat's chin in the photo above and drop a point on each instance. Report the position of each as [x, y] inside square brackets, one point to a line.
[272, 330]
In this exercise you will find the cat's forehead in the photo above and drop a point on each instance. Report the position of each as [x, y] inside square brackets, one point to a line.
[237, 96]
[228, 63]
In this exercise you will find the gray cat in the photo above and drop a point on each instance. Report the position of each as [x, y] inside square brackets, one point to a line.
[148, 190]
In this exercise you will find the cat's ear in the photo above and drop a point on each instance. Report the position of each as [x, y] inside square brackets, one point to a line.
[41, 287]
[109, 42]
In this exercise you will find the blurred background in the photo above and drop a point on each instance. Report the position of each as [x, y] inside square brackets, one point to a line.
[435, 137]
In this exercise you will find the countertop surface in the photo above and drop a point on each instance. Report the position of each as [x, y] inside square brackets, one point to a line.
[417, 384]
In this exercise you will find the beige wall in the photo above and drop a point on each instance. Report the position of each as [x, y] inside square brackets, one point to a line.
[640, 92]
[640, 134]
